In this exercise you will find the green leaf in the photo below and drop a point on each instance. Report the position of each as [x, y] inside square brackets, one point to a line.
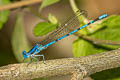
[112, 74]
[110, 31]
[43, 28]
[83, 48]
[19, 40]
[1, 25]
[52, 19]
[47, 3]
[112, 21]
[3, 14]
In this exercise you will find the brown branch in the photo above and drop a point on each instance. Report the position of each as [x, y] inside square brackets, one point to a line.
[98, 41]
[19, 4]
[83, 66]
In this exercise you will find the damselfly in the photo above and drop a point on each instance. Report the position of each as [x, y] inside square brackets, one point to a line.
[57, 35]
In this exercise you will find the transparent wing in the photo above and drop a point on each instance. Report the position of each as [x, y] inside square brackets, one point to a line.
[70, 24]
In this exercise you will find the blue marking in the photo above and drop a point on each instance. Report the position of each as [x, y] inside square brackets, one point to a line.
[80, 27]
[103, 16]
[53, 42]
[35, 52]
[50, 43]
[91, 21]
[24, 54]
[70, 33]
[83, 26]
[32, 50]
[47, 45]
[73, 32]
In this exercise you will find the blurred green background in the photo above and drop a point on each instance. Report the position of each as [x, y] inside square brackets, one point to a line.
[22, 28]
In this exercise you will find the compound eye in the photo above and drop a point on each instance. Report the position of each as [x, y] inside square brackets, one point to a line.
[24, 52]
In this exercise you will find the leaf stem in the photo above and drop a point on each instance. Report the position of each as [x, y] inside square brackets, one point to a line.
[82, 19]
[73, 5]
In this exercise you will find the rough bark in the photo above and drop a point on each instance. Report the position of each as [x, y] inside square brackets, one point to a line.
[84, 66]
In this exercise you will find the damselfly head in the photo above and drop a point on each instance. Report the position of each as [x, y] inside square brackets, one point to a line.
[24, 54]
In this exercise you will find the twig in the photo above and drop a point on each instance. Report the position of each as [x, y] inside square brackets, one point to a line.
[84, 65]
[19, 4]
[98, 41]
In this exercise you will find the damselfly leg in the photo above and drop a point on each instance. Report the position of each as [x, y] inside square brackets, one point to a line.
[40, 55]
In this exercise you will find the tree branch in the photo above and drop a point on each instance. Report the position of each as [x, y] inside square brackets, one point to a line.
[19, 4]
[83, 67]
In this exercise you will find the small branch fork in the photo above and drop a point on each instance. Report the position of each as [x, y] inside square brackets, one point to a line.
[79, 67]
